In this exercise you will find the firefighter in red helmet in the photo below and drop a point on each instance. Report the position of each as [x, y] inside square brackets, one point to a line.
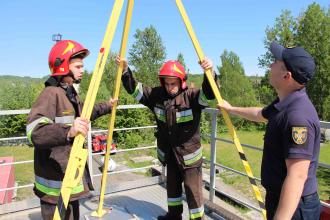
[173, 69]
[62, 54]
[53, 123]
[177, 110]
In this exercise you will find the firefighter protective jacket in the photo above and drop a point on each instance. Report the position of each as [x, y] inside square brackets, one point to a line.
[49, 122]
[177, 118]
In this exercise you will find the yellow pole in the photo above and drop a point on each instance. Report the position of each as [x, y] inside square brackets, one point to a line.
[122, 53]
[224, 113]
[78, 154]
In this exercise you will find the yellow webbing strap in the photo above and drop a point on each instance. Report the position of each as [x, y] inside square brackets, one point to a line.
[122, 53]
[78, 155]
[216, 92]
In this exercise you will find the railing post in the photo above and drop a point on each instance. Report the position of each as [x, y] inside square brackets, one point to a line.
[90, 151]
[213, 155]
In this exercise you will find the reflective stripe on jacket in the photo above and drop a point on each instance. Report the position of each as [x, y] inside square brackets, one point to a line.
[53, 188]
[49, 121]
[177, 118]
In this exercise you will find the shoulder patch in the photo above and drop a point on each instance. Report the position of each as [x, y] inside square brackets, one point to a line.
[299, 135]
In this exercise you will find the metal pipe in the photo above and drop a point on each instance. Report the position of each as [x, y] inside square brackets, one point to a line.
[124, 171]
[213, 156]
[126, 150]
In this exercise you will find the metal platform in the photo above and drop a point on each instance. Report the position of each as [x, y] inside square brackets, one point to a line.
[141, 203]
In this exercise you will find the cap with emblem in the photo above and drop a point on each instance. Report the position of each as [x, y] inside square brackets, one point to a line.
[299, 62]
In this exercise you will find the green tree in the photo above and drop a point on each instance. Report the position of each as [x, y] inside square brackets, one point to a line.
[310, 30]
[235, 86]
[17, 93]
[180, 59]
[265, 92]
[283, 32]
[314, 35]
[147, 55]
[84, 84]
[124, 118]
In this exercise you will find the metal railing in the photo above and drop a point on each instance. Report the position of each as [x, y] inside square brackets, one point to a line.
[213, 164]
[213, 142]
[89, 144]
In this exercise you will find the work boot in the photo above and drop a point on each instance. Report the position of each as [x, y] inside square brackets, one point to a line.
[169, 217]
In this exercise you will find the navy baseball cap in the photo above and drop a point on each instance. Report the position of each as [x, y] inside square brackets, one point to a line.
[299, 62]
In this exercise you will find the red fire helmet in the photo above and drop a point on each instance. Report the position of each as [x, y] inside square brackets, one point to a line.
[60, 55]
[173, 68]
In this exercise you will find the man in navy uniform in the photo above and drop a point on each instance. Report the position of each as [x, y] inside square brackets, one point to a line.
[292, 138]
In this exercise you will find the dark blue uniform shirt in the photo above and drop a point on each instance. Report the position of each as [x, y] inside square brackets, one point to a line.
[293, 131]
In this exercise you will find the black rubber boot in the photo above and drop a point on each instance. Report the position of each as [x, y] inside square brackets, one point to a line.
[169, 217]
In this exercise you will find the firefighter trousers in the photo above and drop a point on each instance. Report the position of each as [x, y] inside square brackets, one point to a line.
[192, 179]
[48, 210]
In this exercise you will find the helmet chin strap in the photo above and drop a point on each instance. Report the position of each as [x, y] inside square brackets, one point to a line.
[76, 81]
[175, 94]
[172, 95]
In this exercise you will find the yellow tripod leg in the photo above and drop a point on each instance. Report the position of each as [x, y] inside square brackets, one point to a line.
[122, 53]
[224, 113]
[78, 154]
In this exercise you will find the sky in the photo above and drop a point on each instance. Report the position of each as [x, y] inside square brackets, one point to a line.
[235, 25]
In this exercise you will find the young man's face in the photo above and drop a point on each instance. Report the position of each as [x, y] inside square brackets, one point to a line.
[172, 85]
[277, 73]
[76, 66]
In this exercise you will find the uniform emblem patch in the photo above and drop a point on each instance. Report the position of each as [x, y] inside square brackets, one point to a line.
[299, 135]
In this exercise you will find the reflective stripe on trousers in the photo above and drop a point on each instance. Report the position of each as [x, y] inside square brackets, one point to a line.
[196, 213]
[193, 157]
[174, 201]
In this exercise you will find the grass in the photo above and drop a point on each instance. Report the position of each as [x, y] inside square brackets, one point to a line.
[24, 173]
[325, 153]
[131, 154]
[228, 156]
